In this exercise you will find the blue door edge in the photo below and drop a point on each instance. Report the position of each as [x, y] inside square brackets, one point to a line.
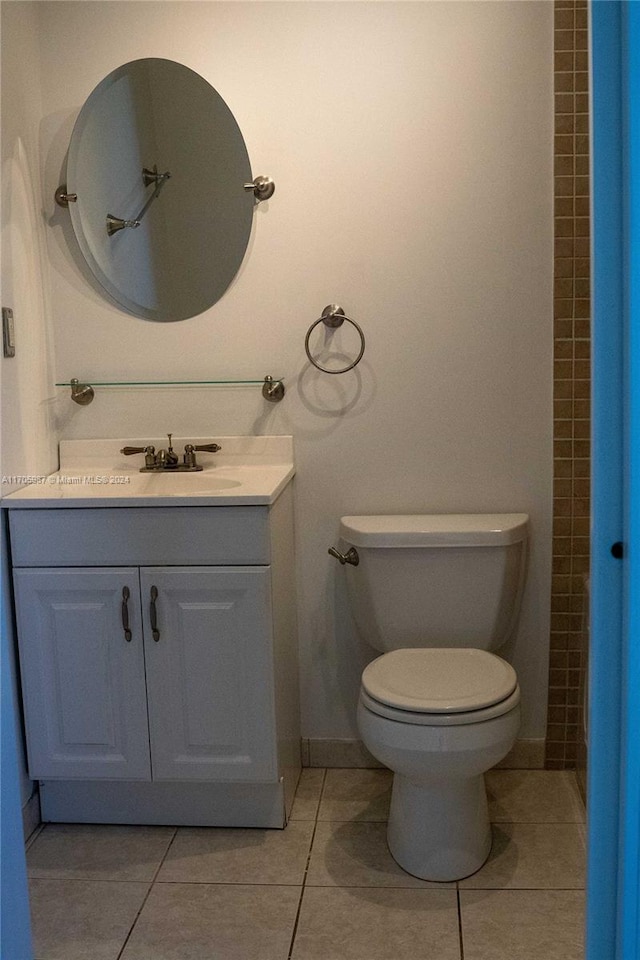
[606, 620]
[15, 927]
[613, 844]
[629, 843]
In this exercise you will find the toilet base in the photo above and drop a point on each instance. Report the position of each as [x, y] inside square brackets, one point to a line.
[439, 830]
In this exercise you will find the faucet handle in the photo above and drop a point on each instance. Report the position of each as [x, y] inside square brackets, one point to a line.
[190, 453]
[149, 455]
[207, 447]
[129, 451]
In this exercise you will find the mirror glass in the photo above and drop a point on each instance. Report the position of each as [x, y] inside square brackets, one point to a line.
[159, 164]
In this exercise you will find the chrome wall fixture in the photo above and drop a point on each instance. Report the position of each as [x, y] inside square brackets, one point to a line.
[148, 177]
[333, 316]
[81, 393]
[62, 198]
[263, 188]
[351, 556]
[273, 389]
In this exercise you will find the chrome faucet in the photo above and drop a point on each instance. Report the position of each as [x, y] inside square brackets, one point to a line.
[168, 460]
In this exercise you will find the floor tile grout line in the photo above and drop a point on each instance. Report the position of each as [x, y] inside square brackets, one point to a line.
[542, 823]
[446, 887]
[306, 869]
[33, 876]
[146, 896]
[166, 854]
[227, 883]
[460, 937]
[433, 887]
[521, 889]
[441, 888]
[135, 920]
[321, 793]
[33, 836]
[497, 823]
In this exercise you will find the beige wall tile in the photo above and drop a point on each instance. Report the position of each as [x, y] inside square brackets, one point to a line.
[571, 354]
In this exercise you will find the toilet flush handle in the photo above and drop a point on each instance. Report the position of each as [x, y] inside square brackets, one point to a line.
[351, 556]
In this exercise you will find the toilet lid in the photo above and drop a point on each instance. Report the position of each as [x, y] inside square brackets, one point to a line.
[439, 680]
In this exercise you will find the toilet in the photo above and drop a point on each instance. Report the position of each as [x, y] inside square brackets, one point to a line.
[436, 595]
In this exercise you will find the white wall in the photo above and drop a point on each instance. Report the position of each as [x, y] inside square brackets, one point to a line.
[28, 444]
[411, 146]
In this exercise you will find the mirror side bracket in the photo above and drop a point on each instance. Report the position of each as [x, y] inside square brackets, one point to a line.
[62, 198]
[263, 188]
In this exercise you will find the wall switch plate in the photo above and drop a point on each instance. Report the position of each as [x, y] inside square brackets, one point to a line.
[8, 334]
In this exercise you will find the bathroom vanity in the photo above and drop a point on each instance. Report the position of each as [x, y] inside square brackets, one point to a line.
[157, 636]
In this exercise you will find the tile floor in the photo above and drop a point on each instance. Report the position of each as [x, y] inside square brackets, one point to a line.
[325, 888]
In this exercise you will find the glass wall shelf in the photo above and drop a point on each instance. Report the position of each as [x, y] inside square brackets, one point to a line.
[82, 392]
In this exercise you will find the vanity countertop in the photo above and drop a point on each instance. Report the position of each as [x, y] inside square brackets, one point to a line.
[93, 473]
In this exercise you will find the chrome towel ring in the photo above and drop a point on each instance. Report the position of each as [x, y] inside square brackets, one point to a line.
[334, 316]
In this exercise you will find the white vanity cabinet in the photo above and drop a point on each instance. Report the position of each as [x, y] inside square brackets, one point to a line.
[210, 683]
[83, 684]
[158, 662]
[188, 699]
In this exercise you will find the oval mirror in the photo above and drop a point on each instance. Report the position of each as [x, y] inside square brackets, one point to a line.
[159, 167]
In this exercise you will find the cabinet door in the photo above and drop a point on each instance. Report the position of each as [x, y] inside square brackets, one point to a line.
[209, 672]
[83, 680]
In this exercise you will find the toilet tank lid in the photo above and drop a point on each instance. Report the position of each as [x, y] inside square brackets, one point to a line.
[435, 530]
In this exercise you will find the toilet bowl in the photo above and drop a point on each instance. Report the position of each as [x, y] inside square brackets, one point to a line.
[437, 594]
[438, 822]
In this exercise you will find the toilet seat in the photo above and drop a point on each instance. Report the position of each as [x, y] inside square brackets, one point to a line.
[440, 719]
[438, 686]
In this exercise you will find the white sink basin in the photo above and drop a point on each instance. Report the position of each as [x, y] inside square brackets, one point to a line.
[158, 484]
[248, 470]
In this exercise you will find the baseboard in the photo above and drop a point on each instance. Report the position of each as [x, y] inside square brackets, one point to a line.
[187, 803]
[31, 818]
[525, 755]
[337, 753]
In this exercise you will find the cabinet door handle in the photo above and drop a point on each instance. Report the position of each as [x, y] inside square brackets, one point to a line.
[125, 614]
[154, 614]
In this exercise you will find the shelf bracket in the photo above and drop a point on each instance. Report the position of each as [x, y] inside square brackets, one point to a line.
[272, 390]
[81, 393]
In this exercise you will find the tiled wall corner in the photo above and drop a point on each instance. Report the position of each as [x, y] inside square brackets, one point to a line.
[572, 383]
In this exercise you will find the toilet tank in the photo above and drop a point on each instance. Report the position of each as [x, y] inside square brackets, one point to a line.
[436, 580]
